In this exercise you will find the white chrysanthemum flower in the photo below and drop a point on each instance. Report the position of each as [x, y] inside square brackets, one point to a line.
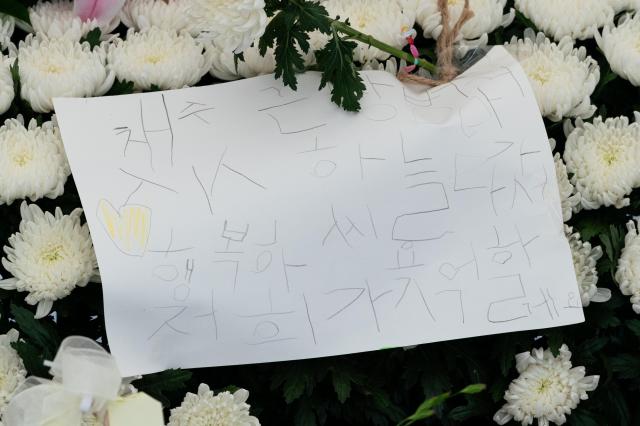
[602, 158]
[232, 25]
[7, 91]
[547, 389]
[487, 16]
[61, 68]
[6, 31]
[578, 19]
[621, 5]
[628, 272]
[585, 259]
[91, 420]
[32, 161]
[621, 46]
[223, 63]
[383, 20]
[159, 58]
[12, 371]
[206, 408]
[49, 256]
[562, 78]
[390, 65]
[570, 200]
[168, 15]
[56, 19]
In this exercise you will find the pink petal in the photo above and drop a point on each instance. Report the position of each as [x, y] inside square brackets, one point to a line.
[102, 11]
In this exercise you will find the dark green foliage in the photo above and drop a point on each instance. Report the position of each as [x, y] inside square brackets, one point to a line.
[93, 37]
[339, 70]
[158, 384]
[121, 88]
[288, 33]
[15, 8]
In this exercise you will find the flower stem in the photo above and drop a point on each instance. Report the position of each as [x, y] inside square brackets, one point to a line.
[371, 41]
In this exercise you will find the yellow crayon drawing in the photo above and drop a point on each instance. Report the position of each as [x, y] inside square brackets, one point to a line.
[128, 227]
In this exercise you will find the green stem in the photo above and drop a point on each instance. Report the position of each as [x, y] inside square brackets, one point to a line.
[371, 41]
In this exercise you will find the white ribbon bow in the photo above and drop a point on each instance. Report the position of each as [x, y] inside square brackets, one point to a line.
[85, 379]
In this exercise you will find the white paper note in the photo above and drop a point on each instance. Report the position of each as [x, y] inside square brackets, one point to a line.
[245, 222]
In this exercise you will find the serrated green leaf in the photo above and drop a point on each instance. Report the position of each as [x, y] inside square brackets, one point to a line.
[313, 16]
[93, 37]
[165, 381]
[283, 33]
[473, 389]
[288, 34]
[40, 334]
[335, 61]
[121, 88]
[293, 387]
[341, 385]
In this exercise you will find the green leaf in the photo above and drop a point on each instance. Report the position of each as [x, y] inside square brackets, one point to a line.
[42, 335]
[588, 349]
[526, 22]
[464, 412]
[121, 88]
[607, 77]
[613, 243]
[237, 57]
[294, 387]
[634, 326]
[283, 34]
[341, 385]
[304, 415]
[619, 410]
[473, 389]
[93, 37]
[313, 16]
[16, 9]
[165, 381]
[426, 409]
[581, 417]
[288, 33]
[335, 61]
[626, 365]
[32, 357]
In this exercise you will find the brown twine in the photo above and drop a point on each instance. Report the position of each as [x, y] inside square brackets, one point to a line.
[447, 70]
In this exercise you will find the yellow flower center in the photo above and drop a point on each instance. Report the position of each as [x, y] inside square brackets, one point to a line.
[52, 254]
[153, 58]
[21, 158]
[543, 386]
[540, 74]
[52, 68]
[610, 154]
